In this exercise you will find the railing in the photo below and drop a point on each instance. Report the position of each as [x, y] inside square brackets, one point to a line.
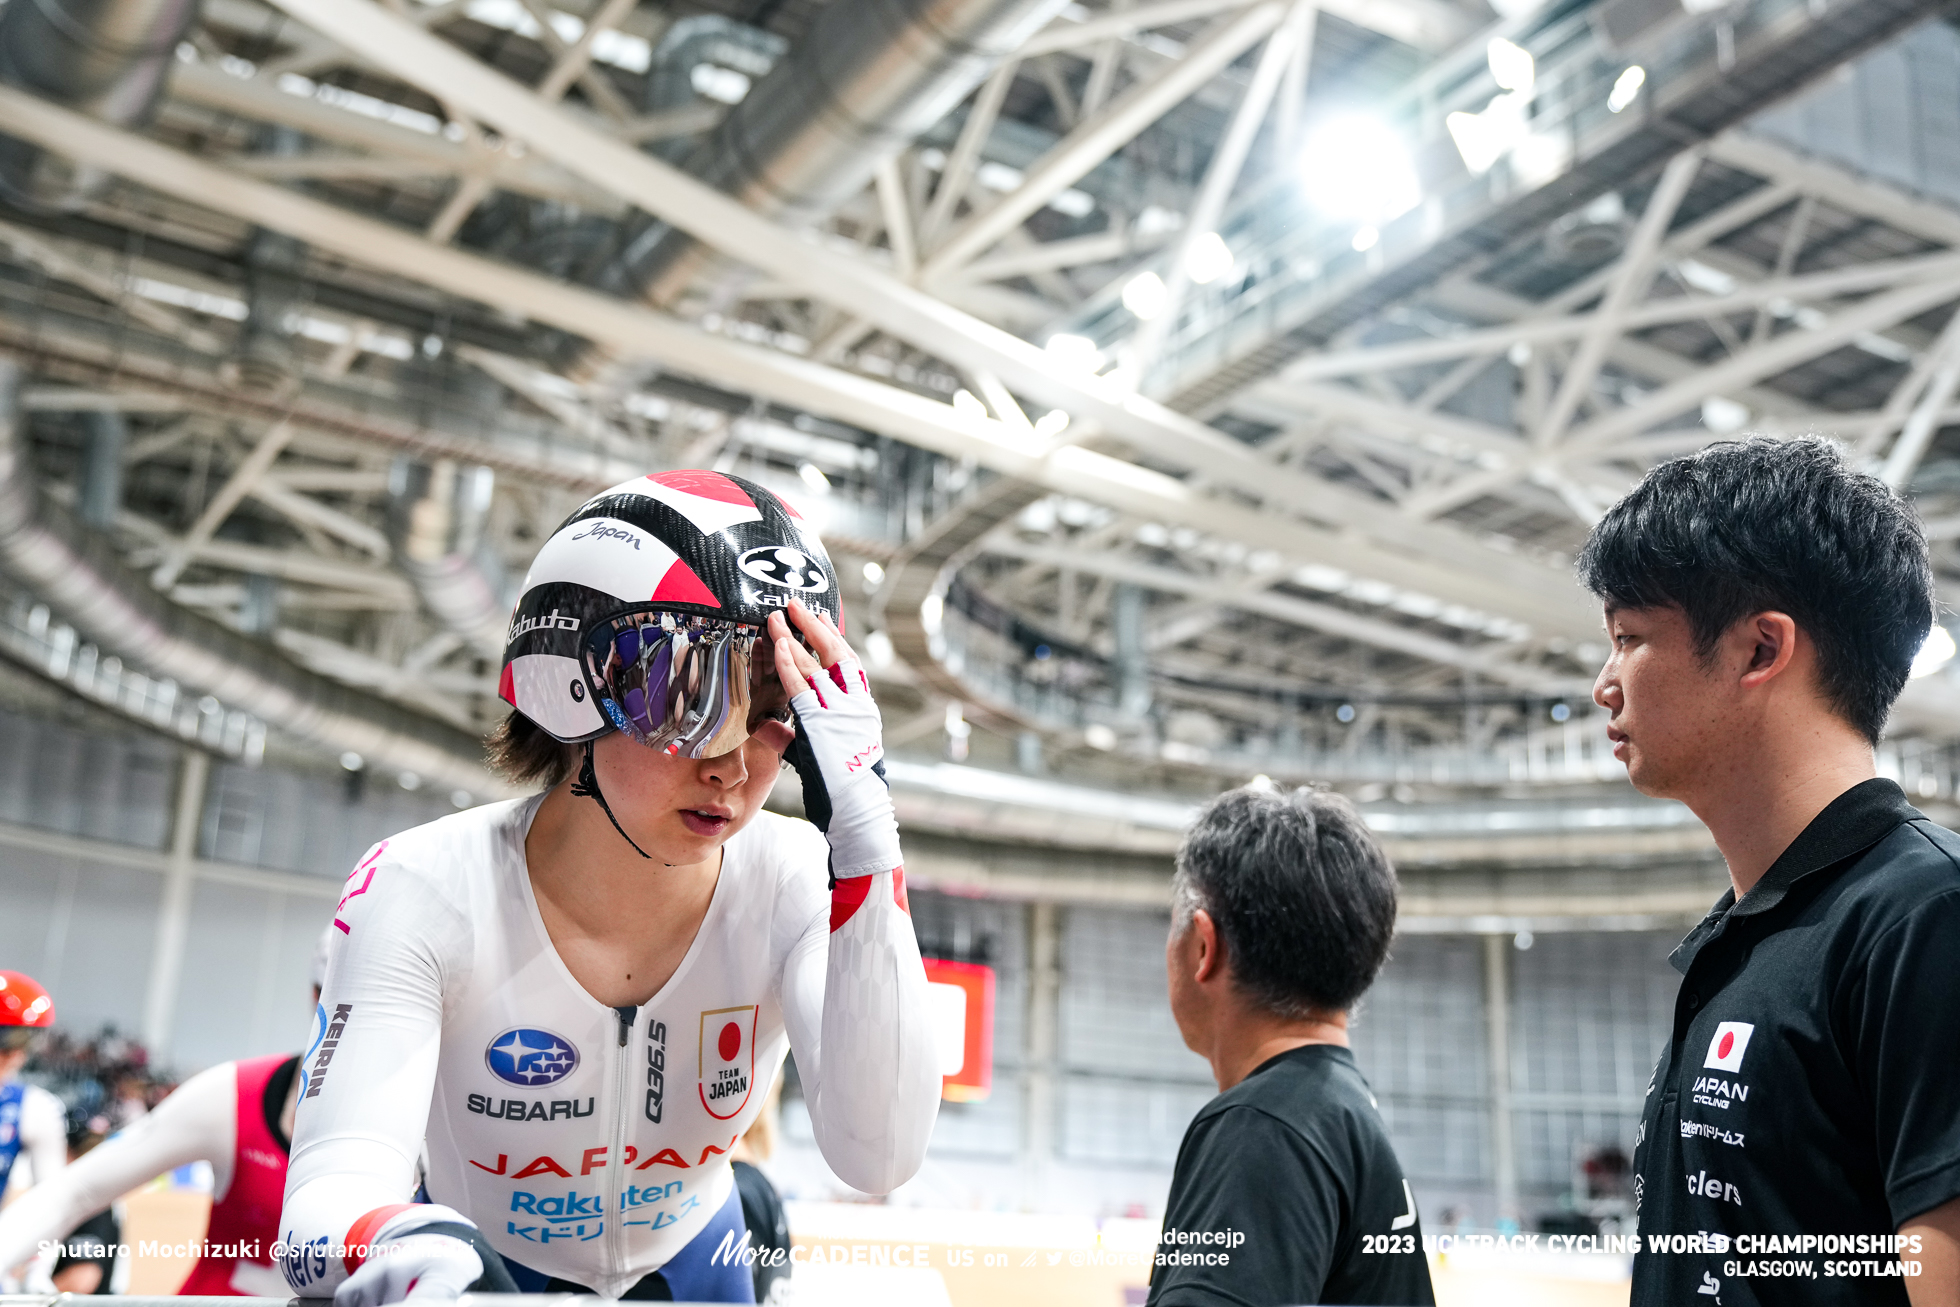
[51, 647]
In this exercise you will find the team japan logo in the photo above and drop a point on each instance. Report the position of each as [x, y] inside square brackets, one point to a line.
[781, 565]
[727, 1060]
[530, 1059]
[1726, 1048]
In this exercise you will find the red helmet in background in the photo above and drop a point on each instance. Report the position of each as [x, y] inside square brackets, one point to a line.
[26, 1009]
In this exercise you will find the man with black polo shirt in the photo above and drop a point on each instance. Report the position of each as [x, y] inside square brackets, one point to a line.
[1286, 1190]
[1800, 1141]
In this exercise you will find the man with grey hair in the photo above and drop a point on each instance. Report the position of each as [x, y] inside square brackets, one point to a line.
[1286, 1188]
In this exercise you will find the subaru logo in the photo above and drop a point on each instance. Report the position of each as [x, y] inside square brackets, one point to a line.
[530, 1058]
[781, 565]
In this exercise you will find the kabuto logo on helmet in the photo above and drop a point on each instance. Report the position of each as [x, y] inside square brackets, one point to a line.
[781, 565]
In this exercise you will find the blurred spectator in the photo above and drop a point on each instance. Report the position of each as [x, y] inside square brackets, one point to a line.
[105, 1080]
[88, 1257]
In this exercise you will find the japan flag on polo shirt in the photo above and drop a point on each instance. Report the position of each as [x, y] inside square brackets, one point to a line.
[1726, 1049]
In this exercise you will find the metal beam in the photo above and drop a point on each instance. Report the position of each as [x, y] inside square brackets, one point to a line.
[1327, 618]
[1072, 34]
[174, 912]
[1923, 424]
[1517, 587]
[1109, 130]
[1536, 330]
[1628, 287]
[261, 101]
[1841, 187]
[1221, 175]
[958, 172]
[239, 484]
[1769, 358]
[849, 282]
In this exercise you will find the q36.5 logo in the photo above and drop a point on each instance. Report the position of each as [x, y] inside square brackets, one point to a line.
[781, 565]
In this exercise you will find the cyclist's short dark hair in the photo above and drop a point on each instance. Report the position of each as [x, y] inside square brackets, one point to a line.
[519, 750]
[1301, 893]
[1759, 525]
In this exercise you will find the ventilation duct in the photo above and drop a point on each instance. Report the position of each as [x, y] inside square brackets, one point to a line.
[436, 514]
[675, 76]
[869, 77]
[107, 58]
[113, 607]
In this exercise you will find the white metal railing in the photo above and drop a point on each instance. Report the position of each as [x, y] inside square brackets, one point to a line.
[32, 634]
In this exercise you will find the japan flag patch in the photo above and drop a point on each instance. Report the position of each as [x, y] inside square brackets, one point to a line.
[1726, 1049]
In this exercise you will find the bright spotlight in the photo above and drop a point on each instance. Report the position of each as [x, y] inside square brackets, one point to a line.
[1626, 88]
[1146, 296]
[1512, 65]
[1366, 239]
[1936, 653]
[1355, 167]
[813, 477]
[1075, 351]
[1208, 259]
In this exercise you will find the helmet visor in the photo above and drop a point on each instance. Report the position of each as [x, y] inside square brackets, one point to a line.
[693, 687]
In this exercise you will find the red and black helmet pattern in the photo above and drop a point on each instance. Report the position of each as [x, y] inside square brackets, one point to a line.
[692, 542]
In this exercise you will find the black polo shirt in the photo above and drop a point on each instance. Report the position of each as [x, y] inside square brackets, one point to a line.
[1812, 1084]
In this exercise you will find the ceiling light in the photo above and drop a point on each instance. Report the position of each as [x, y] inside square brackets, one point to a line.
[1355, 167]
[1626, 88]
[1936, 653]
[1051, 424]
[967, 404]
[1484, 138]
[813, 477]
[1208, 258]
[1146, 296]
[998, 177]
[874, 575]
[718, 83]
[1722, 415]
[1075, 351]
[1511, 65]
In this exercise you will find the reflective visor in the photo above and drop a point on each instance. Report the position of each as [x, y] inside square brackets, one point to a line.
[685, 685]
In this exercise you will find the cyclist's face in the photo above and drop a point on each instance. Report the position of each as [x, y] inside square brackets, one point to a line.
[680, 810]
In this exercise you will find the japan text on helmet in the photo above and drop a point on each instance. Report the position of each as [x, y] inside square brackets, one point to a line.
[691, 543]
[25, 1010]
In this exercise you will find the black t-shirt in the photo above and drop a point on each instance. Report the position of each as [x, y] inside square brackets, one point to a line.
[1809, 1090]
[1287, 1191]
[94, 1240]
[762, 1209]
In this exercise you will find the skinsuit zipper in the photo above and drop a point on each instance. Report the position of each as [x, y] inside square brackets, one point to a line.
[616, 1149]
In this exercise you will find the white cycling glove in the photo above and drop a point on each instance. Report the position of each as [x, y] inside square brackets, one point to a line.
[412, 1268]
[839, 755]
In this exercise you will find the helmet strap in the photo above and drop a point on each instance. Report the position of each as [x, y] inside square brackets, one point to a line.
[587, 787]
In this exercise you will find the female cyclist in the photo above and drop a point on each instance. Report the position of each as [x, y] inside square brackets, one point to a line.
[578, 1001]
